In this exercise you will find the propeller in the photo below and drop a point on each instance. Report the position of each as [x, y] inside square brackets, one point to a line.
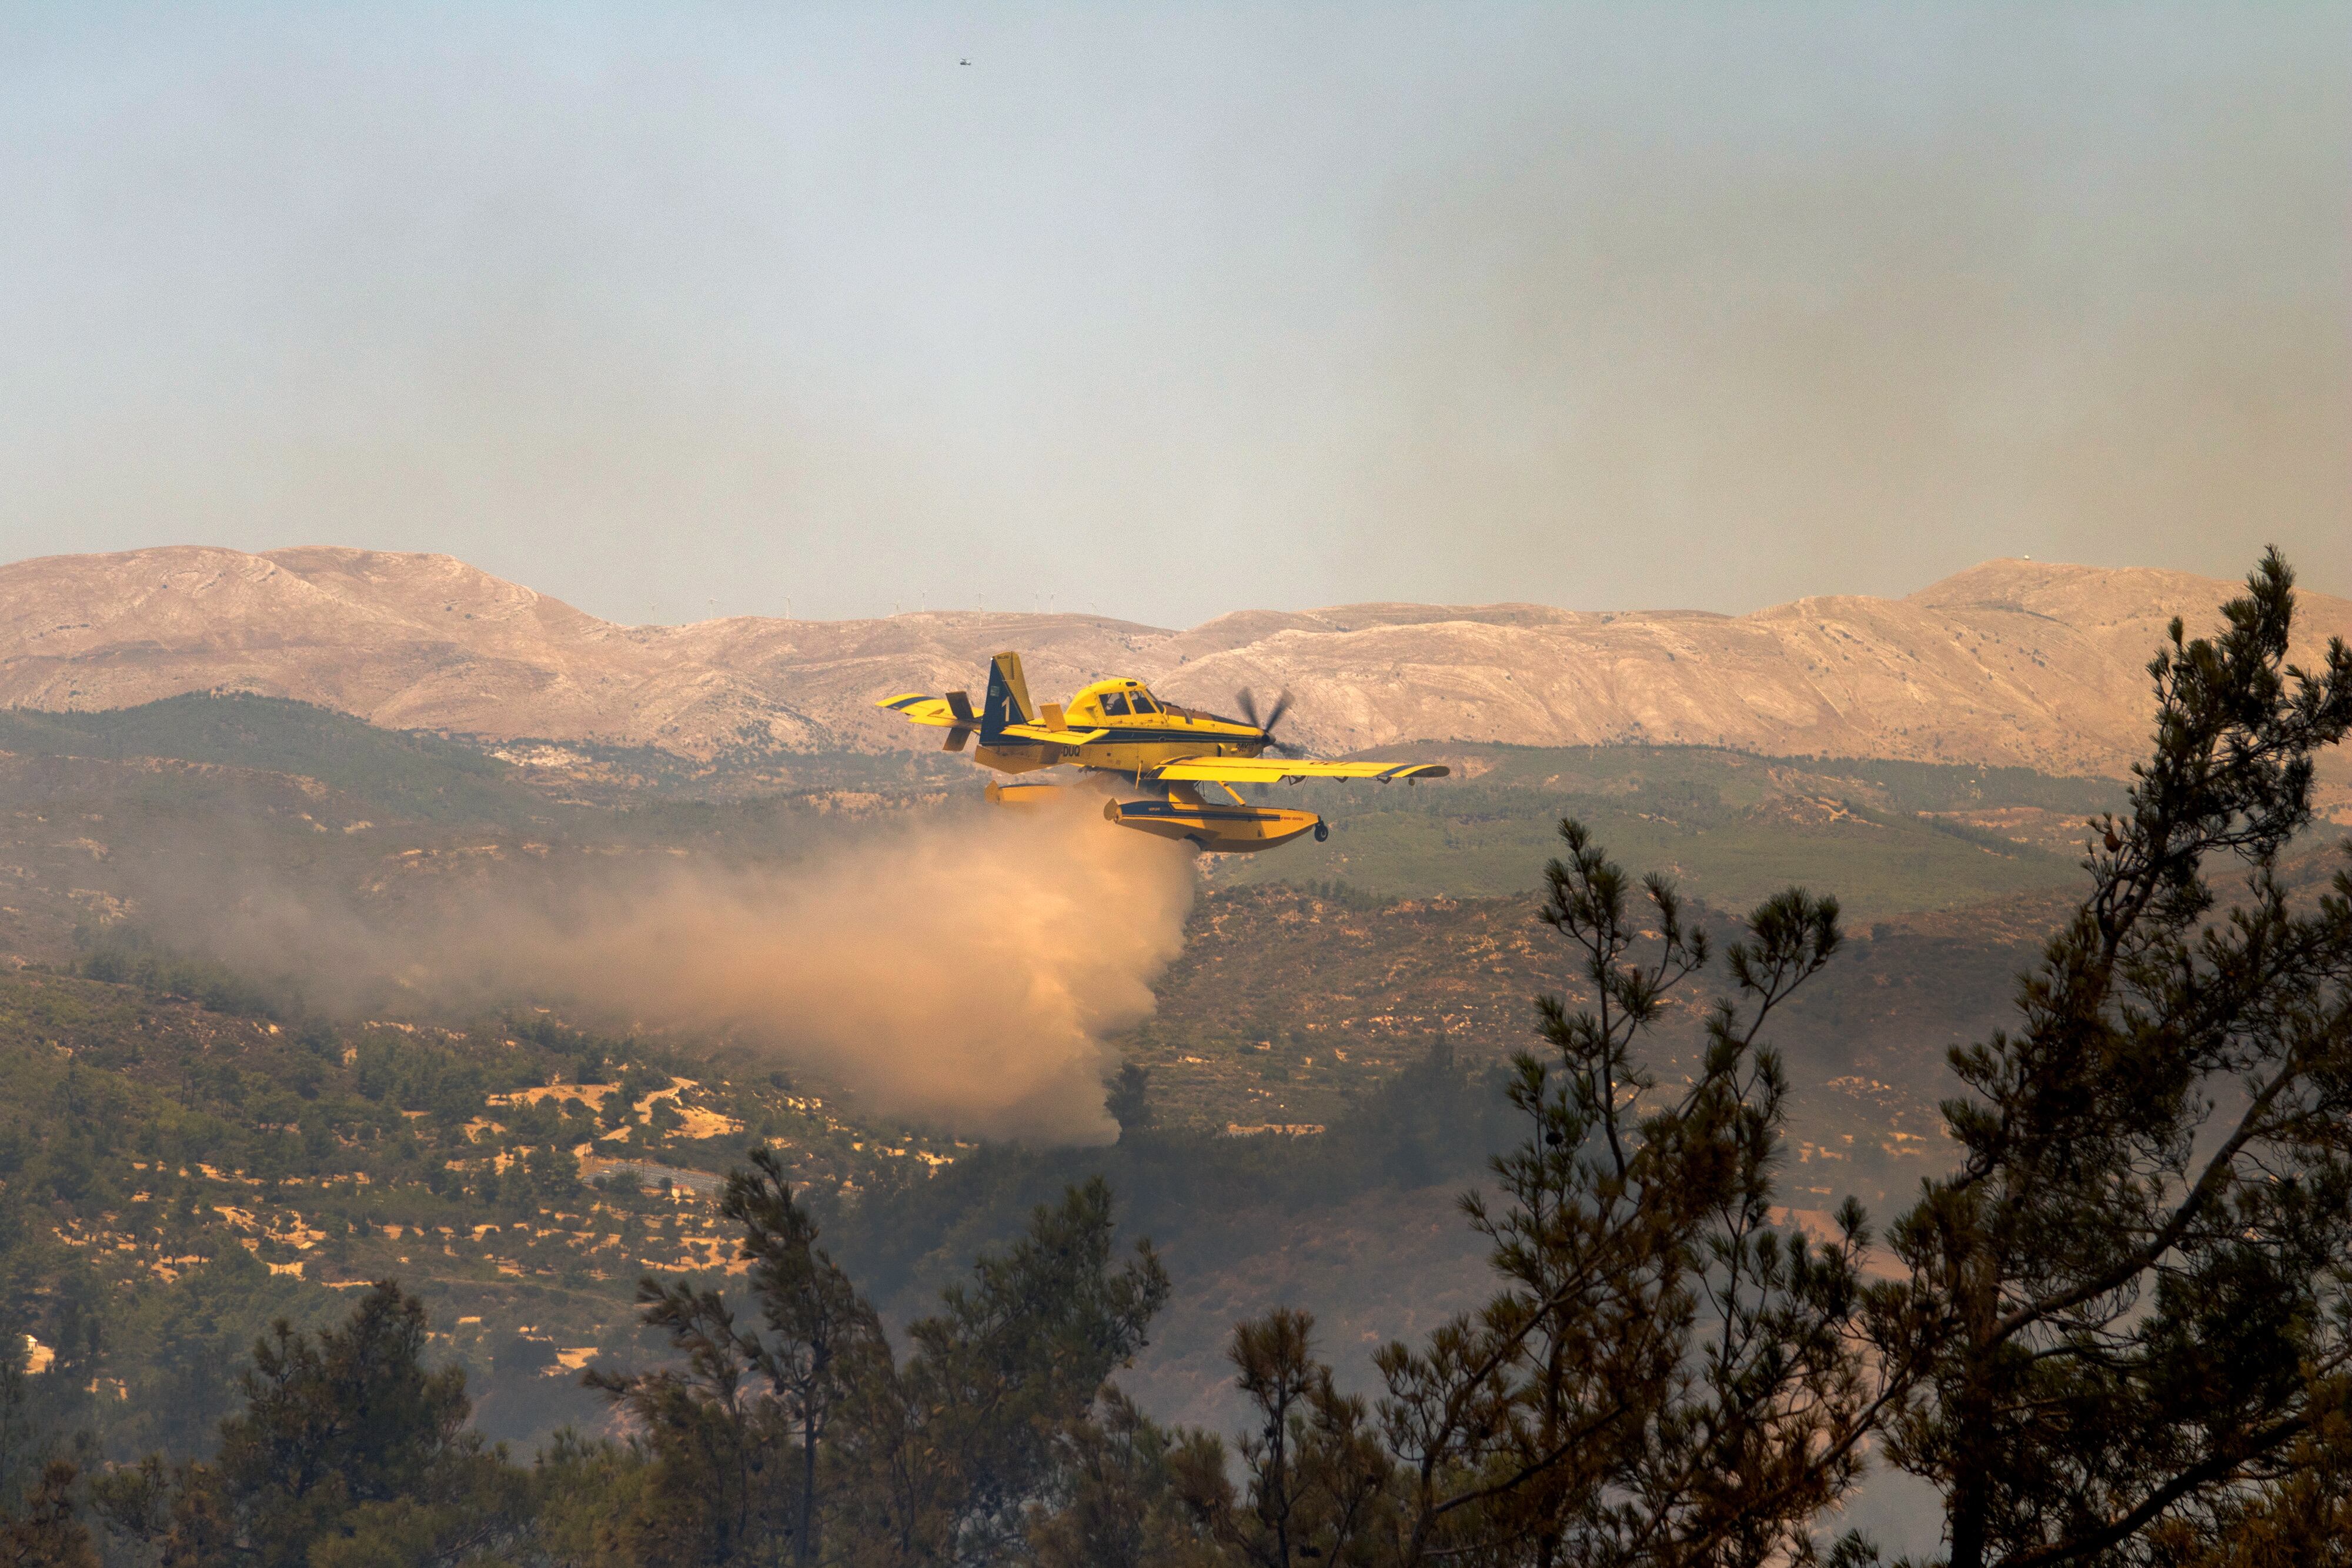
[1247, 702]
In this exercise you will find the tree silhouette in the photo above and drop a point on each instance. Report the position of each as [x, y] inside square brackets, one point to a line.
[2136, 1284]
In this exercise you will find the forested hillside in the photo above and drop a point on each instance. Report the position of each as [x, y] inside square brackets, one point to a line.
[194, 1144]
[184, 1118]
[1895, 837]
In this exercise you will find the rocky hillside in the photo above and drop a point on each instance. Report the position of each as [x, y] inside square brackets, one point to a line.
[2018, 662]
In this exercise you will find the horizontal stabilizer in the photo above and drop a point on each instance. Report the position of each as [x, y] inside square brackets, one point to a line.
[917, 709]
[1037, 734]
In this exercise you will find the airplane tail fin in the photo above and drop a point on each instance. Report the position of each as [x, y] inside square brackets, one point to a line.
[1008, 698]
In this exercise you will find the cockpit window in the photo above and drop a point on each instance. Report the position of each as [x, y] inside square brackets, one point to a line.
[1114, 705]
[1144, 704]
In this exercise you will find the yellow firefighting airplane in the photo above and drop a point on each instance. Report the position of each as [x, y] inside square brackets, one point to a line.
[1117, 727]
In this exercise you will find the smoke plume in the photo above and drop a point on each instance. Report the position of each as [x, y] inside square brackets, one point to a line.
[964, 971]
[964, 975]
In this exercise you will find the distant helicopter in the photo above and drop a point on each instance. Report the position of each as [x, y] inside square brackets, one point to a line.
[1117, 727]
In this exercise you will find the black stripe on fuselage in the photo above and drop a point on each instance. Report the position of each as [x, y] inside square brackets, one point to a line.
[1118, 734]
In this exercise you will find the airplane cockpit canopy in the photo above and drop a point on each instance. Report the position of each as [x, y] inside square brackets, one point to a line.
[1122, 699]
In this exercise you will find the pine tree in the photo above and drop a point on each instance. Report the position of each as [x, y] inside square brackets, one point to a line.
[801, 1438]
[963, 1443]
[2136, 1281]
[735, 1434]
[1320, 1484]
[45, 1533]
[349, 1451]
[1667, 1376]
[1128, 1100]
[1114, 1500]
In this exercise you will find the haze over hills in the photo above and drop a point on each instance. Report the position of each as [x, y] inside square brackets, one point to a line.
[335, 1139]
[2014, 662]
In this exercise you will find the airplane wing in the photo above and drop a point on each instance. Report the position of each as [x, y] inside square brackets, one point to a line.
[1271, 770]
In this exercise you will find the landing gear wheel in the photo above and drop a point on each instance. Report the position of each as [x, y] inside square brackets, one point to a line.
[1322, 832]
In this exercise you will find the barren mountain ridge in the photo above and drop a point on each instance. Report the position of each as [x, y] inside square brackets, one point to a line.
[2014, 662]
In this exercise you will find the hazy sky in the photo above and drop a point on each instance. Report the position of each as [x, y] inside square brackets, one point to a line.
[1176, 309]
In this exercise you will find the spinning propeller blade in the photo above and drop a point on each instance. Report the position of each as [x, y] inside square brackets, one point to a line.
[1248, 701]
